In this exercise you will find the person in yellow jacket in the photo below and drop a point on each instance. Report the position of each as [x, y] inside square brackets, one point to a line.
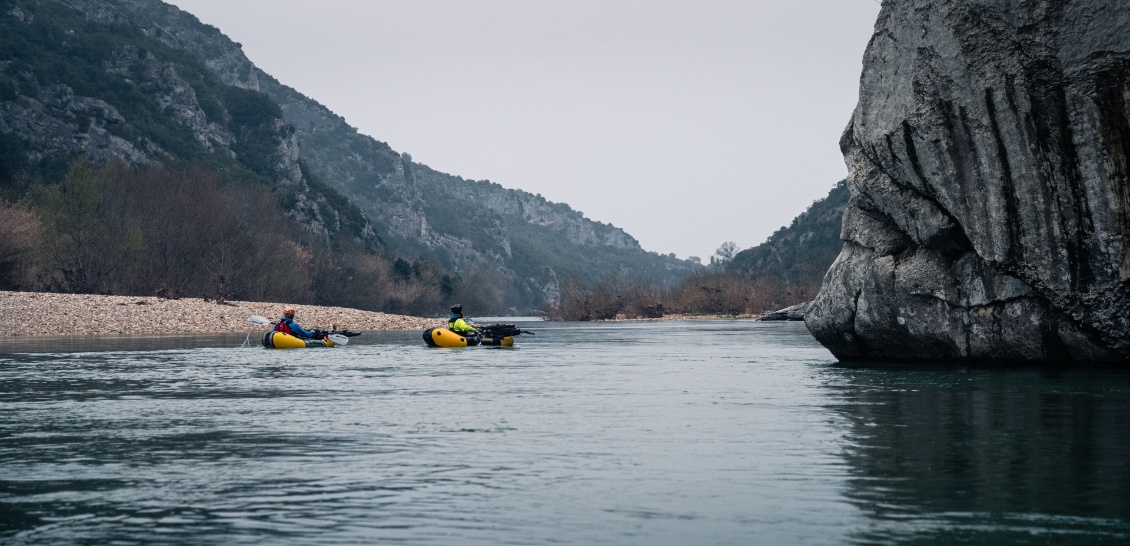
[457, 324]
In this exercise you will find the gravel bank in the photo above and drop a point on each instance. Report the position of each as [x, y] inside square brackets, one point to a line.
[37, 313]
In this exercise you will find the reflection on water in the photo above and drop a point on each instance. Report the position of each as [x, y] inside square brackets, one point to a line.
[988, 456]
[87, 344]
[711, 432]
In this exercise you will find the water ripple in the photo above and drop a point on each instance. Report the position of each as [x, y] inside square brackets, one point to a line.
[627, 433]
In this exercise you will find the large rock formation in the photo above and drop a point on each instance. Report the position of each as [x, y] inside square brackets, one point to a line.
[990, 187]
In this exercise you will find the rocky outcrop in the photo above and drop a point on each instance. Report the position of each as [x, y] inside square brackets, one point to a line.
[793, 313]
[175, 96]
[989, 161]
[55, 121]
[179, 30]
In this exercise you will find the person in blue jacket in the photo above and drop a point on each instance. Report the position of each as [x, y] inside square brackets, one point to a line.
[287, 325]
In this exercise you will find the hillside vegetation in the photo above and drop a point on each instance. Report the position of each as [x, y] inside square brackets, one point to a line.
[141, 152]
[796, 256]
[143, 83]
[471, 228]
[786, 269]
[115, 229]
[70, 87]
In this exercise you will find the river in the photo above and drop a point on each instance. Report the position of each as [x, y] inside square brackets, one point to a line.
[681, 432]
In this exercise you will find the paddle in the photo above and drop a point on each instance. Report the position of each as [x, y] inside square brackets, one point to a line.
[338, 339]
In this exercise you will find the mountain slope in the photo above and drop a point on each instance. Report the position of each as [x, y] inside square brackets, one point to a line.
[75, 86]
[474, 228]
[800, 253]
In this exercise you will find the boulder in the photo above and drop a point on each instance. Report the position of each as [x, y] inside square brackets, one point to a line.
[989, 172]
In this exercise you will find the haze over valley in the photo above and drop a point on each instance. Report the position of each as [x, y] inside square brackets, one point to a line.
[687, 124]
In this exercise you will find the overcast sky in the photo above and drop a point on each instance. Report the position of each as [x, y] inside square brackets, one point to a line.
[686, 123]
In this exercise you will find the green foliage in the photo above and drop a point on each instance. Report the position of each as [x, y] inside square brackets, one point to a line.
[80, 219]
[117, 63]
[13, 161]
[247, 108]
[402, 269]
[800, 254]
[351, 222]
[254, 120]
[74, 202]
[61, 46]
[8, 91]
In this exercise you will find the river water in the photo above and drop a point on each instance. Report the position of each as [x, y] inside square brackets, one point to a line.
[700, 432]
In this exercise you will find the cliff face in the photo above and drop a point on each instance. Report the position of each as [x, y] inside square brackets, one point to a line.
[990, 188]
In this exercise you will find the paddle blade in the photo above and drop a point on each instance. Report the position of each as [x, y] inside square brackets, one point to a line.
[338, 339]
[261, 321]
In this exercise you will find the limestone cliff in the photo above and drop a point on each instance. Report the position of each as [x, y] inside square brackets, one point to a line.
[990, 189]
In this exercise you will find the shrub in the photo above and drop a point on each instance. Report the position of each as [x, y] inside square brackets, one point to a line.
[23, 233]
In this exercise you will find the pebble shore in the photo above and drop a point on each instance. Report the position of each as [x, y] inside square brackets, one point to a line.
[39, 314]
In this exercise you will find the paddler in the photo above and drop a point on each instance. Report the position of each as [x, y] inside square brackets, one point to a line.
[457, 324]
[287, 325]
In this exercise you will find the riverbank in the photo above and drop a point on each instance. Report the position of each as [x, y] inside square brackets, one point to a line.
[39, 313]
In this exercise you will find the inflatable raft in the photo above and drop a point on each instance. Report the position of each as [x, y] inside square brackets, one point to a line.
[496, 335]
[279, 340]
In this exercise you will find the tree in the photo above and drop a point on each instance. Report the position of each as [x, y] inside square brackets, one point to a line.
[725, 254]
[74, 211]
[22, 237]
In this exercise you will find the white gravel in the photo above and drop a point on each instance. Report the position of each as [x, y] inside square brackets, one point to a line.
[38, 313]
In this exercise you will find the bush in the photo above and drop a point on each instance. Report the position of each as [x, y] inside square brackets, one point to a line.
[159, 231]
[22, 238]
[710, 293]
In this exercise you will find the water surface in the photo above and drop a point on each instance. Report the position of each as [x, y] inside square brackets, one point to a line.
[703, 432]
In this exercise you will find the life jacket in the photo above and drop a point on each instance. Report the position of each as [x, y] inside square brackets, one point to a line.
[284, 326]
[456, 318]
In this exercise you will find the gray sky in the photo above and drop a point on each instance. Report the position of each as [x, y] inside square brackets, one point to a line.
[686, 123]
